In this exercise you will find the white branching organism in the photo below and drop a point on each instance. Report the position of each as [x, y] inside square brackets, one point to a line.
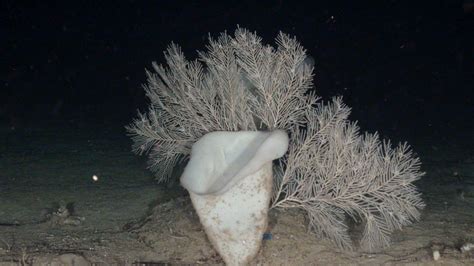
[238, 84]
[331, 171]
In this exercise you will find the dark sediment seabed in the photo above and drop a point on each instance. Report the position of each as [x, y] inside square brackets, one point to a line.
[50, 205]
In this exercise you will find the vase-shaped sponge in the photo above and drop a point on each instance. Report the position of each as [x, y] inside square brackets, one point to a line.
[229, 178]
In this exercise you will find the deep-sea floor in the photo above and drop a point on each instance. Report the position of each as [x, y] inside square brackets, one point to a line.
[52, 211]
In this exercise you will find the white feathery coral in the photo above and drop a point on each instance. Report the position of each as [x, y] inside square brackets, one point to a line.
[330, 170]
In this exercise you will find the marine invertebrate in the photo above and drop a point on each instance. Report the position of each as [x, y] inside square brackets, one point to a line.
[229, 178]
[331, 170]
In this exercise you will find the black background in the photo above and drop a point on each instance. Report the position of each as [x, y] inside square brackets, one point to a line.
[402, 67]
